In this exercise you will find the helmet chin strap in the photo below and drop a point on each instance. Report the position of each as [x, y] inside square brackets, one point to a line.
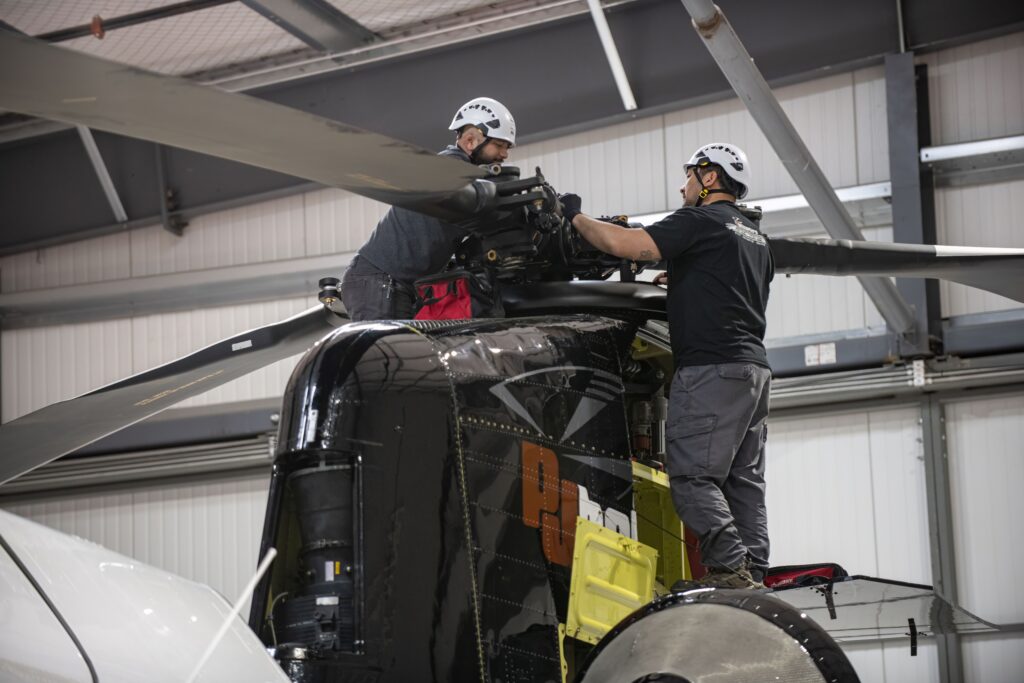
[704, 193]
[474, 156]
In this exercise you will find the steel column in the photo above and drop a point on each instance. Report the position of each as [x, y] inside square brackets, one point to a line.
[913, 194]
[745, 78]
[940, 536]
[173, 224]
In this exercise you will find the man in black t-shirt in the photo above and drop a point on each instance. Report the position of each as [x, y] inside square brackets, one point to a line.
[719, 270]
[406, 245]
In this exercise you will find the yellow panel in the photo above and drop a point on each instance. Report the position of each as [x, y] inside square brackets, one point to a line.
[561, 650]
[612, 576]
[650, 474]
[658, 524]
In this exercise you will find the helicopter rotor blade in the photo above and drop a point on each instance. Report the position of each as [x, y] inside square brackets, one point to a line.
[57, 83]
[1000, 271]
[46, 434]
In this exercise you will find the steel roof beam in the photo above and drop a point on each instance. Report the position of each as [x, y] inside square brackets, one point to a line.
[612, 53]
[978, 161]
[101, 172]
[735, 62]
[316, 23]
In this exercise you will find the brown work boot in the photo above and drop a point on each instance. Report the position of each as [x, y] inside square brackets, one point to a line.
[722, 577]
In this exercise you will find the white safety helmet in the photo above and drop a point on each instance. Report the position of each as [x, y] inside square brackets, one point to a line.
[490, 116]
[731, 158]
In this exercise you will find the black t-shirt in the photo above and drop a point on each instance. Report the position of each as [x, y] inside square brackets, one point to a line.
[719, 267]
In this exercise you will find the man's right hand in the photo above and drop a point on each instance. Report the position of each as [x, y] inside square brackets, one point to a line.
[661, 279]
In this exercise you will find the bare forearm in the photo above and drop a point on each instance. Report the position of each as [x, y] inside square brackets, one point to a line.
[598, 233]
[616, 240]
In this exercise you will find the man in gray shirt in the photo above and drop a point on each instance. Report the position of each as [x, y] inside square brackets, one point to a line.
[406, 246]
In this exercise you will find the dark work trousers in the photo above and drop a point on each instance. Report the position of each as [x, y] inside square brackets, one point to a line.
[716, 435]
[371, 294]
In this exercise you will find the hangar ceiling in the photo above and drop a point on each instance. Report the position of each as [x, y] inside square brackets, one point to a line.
[217, 41]
[397, 67]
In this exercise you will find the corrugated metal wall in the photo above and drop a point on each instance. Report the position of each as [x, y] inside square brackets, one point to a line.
[311, 224]
[42, 365]
[848, 488]
[207, 531]
[986, 468]
[981, 216]
[977, 92]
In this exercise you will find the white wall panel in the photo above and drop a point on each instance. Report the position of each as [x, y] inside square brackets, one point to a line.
[339, 221]
[157, 339]
[618, 169]
[812, 304]
[986, 473]
[993, 658]
[872, 125]
[978, 216]
[849, 489]
[976, 91]
[899, 495]
[824, 112]
[98, 517]
[891, 662]
[208, 531]
[809, 304]
[267, 231]
[43, 365]
[91, 260]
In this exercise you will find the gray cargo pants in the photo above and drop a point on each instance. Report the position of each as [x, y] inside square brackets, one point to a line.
[371, 294]
[716, 434]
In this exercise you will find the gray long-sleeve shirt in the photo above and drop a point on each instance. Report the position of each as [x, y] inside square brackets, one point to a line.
[408, 245]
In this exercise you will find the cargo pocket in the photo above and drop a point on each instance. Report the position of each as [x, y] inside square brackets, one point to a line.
[689, 445]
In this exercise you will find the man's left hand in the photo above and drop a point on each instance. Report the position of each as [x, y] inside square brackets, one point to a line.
[571, 205]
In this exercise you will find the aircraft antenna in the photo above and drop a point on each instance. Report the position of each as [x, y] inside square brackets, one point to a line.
[249, 587]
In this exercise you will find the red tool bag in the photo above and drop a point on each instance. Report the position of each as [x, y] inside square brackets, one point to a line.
[803, 575]
[457, 294]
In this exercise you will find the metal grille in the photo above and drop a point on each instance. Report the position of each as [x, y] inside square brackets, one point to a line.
[43, 16]
[231, 39]
[197, 41]
[380, 16]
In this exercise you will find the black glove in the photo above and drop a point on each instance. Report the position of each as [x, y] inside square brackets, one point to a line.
[571, 204]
